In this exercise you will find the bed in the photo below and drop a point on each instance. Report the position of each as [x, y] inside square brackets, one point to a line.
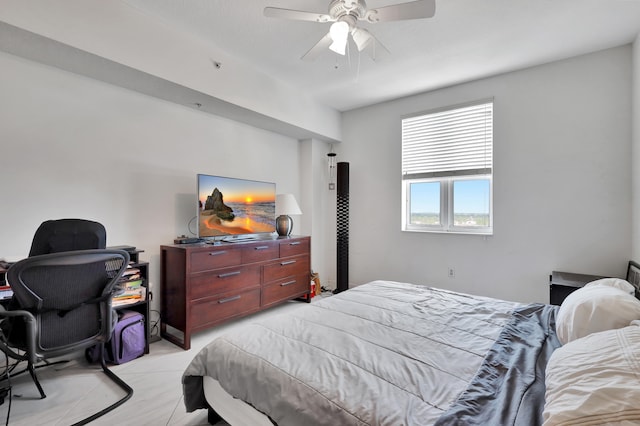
[390, 353]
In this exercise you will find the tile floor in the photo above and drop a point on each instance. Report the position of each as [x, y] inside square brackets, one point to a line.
[77, 389]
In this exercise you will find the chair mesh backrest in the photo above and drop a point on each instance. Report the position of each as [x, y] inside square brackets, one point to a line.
[62, 289]
[54, 236]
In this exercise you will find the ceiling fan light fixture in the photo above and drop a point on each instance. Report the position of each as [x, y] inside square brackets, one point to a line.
[361, 37]
[345, 15]
[339, 32]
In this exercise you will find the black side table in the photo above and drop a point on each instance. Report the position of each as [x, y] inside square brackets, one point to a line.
[562, 284]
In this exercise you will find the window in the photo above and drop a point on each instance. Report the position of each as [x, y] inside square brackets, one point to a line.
[447, 170]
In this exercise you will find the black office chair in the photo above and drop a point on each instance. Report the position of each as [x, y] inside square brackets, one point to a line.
[60, 235]
[54, 236]
[64, 306]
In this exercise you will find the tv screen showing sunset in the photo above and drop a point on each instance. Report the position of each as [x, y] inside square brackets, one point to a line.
[229, 206]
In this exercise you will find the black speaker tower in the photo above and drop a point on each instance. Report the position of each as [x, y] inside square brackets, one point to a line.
[342, 226]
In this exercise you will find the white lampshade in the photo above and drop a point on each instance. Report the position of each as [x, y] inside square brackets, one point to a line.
[286, 204]
[362, 38]
[339, 32]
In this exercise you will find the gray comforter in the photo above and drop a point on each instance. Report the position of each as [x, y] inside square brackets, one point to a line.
[384, 353]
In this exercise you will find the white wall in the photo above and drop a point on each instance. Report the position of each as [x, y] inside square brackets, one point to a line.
[635, 149]
[314, 202]
[562, 182]
[75, 147]
[117, 32]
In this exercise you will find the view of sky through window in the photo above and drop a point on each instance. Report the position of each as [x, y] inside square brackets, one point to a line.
[470, 196]
[471, 202]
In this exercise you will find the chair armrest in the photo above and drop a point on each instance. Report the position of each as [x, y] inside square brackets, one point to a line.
[28, 316]
[30, 338]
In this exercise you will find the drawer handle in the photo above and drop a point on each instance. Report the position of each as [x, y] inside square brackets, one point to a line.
[289, 262]
[287, 283]
[216, 253]
[261, 247]
[229, 299]
[229, 274]
[295, 243]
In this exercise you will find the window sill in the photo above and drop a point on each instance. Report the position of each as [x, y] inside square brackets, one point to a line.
[488, 233]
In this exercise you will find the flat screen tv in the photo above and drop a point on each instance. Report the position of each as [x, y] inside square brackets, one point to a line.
[235, 208]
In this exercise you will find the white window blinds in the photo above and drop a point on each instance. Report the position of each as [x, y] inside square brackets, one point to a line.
[448, 143]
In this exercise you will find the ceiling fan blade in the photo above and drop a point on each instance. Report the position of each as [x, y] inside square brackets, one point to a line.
[413, 10]
[296, 15]
[318, 49]
[361, 38]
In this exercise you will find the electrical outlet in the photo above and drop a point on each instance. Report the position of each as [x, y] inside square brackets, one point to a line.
[451, 273]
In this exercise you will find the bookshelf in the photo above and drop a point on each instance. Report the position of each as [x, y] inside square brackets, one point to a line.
[140, 305]
[5, 291]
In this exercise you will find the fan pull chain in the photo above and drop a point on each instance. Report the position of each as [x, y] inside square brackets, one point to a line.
[373, 50]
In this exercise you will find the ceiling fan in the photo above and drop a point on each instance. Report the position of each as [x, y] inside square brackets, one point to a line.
[345, 15]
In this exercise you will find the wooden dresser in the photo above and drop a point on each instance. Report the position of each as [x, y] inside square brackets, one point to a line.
[203, 285]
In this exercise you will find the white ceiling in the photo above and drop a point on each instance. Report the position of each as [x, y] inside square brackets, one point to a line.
[466, 40]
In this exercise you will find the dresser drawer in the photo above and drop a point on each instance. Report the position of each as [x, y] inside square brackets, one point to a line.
[286, 268]
[210, 311]
[215, 258]
[260, 252]
[236, 278]
[285, 289]
[294, 247]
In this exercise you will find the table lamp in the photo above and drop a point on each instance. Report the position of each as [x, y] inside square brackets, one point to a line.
[286, 204]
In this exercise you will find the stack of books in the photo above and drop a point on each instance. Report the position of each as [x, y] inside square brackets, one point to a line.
[131, 287]
[5, 291]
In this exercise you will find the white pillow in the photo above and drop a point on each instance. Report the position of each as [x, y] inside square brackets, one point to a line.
[594, 308]
[623, 285]
[594, 380]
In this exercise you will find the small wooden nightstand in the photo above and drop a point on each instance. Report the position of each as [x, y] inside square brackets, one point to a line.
[561, 284]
